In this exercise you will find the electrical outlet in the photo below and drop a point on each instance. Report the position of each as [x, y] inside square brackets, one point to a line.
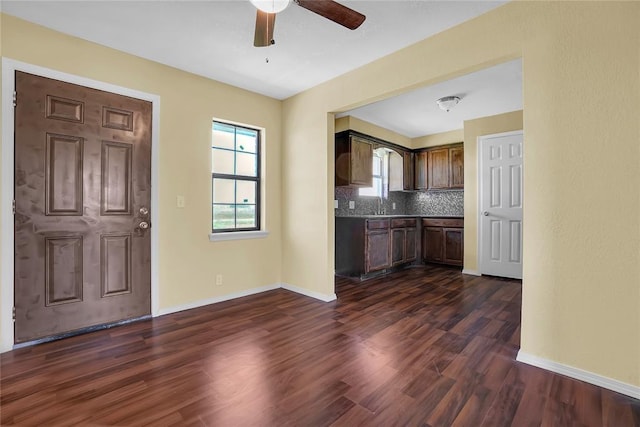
[352, 204]
[180, 201]
[218, 279]
[393, 206]
[335, 204]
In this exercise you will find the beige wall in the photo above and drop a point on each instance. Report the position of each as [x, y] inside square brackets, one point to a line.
[354, 123]
[472, 130]
[581, 289]
[188, 262]
[438, 139]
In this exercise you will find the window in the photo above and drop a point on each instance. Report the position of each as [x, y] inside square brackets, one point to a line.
[235, 167]
[380, 175]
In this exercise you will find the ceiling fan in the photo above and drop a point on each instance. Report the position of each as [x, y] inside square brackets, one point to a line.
[267, 10]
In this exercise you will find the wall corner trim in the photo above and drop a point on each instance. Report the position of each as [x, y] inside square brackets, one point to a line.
[579, 374]
[312, 294]
[471, 272]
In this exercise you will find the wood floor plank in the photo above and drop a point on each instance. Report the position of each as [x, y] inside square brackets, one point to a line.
[421, 347]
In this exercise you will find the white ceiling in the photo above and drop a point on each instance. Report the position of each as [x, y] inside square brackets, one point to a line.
[215, 38]
[491, 91]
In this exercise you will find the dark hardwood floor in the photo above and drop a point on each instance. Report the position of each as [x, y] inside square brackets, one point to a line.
[410, 349]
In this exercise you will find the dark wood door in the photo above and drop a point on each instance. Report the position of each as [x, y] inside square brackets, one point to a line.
[407, 171]
[82, 194]
[456, 167]
[398, 240]
[432, 244]
[453, 247]
[420, 172]
[361, 162]
[411, 252]
[377, 251]
[438, 165]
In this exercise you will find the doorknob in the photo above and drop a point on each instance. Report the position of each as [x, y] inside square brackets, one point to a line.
[485, 213]
[144, 225]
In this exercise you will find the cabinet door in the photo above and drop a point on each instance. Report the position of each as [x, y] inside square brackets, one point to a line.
[438, 167]
[421, 161]
[456, 167]
[411, 245]
[377, 251]
[361, 162]
[407, 170]
[432, 244]
[453, 250]
[397, 246]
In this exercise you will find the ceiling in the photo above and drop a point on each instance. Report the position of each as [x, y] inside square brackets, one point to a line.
[491, 91]
[215, 38]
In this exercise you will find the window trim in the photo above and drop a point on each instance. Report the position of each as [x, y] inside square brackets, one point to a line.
[243, 232]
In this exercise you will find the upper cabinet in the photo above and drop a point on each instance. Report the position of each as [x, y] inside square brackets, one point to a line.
[354, 161]
[440, 168]
[437, 168]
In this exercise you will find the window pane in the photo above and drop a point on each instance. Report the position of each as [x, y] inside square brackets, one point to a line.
[224, 190]
[246, 140]
[246, 164]
[377, 166]
[246, 193]
[222, 161]
[246, 216]
[223, 217]
[223, 136]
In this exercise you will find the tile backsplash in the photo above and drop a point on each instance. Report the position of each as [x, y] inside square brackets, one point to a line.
[441, 203]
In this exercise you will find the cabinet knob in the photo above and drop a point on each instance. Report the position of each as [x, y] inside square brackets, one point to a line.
[485, 213]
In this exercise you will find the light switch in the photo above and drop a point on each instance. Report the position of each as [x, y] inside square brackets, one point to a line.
[393, 206]
[180, 201]
[335, 204]
[352, 204]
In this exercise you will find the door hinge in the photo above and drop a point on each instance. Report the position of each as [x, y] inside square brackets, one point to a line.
[14, 313]
[15, 98]
[13, 206]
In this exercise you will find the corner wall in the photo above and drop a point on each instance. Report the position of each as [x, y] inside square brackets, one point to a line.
[581, 299]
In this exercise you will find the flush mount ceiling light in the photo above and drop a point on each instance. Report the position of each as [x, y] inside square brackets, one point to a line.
[271, 6]
[446, 103]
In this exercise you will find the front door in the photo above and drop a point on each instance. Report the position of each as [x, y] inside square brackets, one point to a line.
[501, 205]
[82, 193]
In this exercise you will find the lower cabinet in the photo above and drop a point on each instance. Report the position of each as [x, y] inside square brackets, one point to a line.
[442, 240]
[404, 233]
[377, 251]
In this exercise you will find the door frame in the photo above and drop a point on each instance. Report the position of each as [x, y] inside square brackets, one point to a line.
[481, 140]
[9, 67]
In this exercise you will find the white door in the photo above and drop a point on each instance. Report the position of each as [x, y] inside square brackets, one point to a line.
[501, 205]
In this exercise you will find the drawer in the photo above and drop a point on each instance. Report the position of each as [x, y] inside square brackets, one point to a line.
[377, 224]
[443, 222]
[404, 223]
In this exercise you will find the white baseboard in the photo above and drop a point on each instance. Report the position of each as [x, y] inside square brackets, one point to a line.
[579, 374]
[253, 291]
[207, 301]
[312, 294]
[471, 272]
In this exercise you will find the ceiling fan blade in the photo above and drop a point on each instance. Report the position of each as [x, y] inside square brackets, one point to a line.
[264, 29]
[334, 11]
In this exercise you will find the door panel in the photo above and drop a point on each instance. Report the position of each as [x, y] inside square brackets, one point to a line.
[501, 206]
[82, 172]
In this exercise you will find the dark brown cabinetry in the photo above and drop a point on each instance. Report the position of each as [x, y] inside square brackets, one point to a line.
[354, 161]
[420, 171]
[407, 170]
[442, 240]
[403, 240]
[377, 247]
[439, 168]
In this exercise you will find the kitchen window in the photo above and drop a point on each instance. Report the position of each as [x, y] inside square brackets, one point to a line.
[380, 187]
[235, 172]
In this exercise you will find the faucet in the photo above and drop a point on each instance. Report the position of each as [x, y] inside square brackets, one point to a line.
[380, 210]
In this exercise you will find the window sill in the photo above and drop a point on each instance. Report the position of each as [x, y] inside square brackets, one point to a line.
[238, 235]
